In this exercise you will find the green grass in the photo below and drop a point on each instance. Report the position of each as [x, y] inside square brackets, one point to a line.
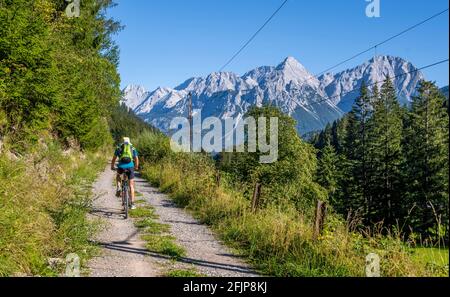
[164, 244]
[43, 210]
[152, 227]
[431, 255]
[184, 273]
[435, 259]
[155, 234]
[142, 212]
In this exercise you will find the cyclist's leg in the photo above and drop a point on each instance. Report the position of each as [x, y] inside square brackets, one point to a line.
[118, 182]
[131, 177]
[132, 191]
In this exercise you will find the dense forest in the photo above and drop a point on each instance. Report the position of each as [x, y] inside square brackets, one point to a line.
[58, 75]
[123, 122]
[386, 165]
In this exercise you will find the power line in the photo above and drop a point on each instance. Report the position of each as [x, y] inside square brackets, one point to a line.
[377, 82]
[349, 59]
[365, 51]
[253, 36]
[383, 42]
[375, 47]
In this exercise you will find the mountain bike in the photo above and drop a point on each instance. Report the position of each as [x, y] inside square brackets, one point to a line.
[125, 192]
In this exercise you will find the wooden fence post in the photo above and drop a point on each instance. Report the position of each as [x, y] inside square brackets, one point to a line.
[256, 196]
[319, 220]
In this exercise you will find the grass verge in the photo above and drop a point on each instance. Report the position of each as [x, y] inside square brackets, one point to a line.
[44, 199]
[278, 238]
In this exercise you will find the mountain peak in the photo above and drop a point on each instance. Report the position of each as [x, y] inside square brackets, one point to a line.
[133, 95]
[290, 59]
[294, 71]
[290, 62]
[223, 74]
[387, 59]
[133, 87]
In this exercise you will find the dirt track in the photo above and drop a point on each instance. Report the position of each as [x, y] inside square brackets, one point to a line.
[124, 253]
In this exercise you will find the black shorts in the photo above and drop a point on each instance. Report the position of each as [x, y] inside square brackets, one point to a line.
[129, 172]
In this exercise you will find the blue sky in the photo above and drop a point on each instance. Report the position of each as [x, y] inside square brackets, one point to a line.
[168, 41]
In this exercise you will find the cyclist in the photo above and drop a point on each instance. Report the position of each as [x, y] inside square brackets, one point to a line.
[128, 162]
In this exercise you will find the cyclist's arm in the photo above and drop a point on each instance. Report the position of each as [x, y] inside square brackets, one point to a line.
[136, 159]
[136, 162]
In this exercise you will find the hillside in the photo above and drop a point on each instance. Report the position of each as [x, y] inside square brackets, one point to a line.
[58, 87]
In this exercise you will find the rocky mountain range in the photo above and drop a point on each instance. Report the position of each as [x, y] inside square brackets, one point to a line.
[312, 101]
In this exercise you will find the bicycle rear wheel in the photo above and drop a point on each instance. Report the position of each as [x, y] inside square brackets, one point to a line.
[126, 200]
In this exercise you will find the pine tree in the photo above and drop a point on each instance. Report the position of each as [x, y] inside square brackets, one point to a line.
[384, 153]
[351, 184]
[327, 173]
[426, 151]
[338, 134]
[356, 151]
[323, 138]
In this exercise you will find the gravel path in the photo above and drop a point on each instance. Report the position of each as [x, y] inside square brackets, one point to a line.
[124, 254]
[204, 252]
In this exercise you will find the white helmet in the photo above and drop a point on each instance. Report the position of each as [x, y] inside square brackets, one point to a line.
[126, 140]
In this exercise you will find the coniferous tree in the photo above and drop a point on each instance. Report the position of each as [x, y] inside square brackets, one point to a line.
[391, 161]
[324, 137]
[327, 173]
[338, 134]
[384, 153]
[351, 183]
[426, 164]
[356, 152]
